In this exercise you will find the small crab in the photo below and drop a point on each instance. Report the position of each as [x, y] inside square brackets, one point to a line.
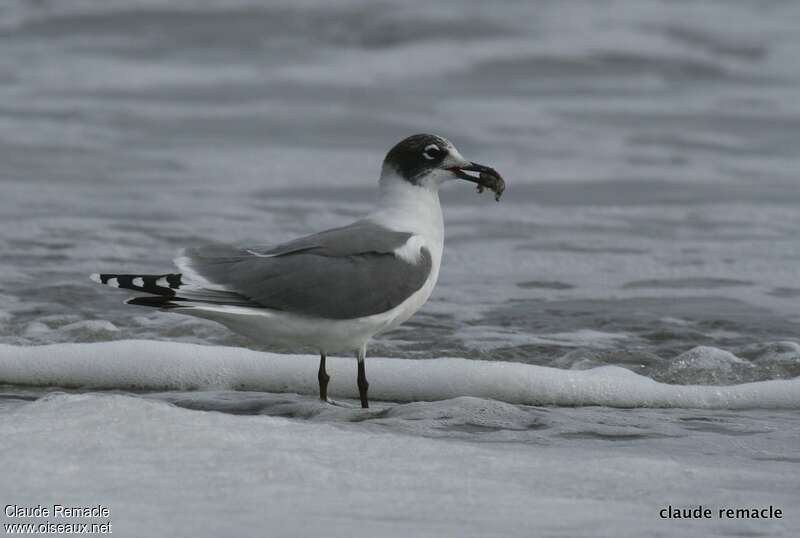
[487, 178]
[491, 180]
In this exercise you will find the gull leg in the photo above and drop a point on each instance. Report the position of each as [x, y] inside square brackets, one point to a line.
[323, 378]
[363, 385]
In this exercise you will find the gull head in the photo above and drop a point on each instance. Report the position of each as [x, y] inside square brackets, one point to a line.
[427, 161]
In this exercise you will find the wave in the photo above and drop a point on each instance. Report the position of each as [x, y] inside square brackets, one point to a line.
[154, 365]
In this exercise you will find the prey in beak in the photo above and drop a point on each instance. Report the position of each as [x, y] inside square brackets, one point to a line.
[484, 176]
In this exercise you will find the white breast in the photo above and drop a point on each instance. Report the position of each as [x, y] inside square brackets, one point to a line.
[408, 208]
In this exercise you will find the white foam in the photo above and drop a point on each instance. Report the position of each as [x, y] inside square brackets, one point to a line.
[167, 471]
[89, 326]
[153, 365]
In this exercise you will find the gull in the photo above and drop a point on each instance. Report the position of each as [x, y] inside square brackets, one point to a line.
[336, 289]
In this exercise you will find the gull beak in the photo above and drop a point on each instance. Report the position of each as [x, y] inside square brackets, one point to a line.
[485, 176]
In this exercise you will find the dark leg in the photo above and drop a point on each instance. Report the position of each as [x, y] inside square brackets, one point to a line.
[323, 377]
[362, 378]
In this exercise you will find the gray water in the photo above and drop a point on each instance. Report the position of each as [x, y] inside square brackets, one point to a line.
[650, 150]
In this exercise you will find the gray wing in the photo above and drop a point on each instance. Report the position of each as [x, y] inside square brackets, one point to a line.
[343, 273]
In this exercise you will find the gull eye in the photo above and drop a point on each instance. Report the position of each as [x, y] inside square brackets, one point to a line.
[432, 152]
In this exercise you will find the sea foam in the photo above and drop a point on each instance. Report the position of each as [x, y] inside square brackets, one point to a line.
[154, 365]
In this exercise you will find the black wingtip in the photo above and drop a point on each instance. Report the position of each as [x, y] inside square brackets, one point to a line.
[154, 302]
[165, 284]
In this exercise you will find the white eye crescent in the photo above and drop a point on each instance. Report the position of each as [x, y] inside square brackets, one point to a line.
[432, 152]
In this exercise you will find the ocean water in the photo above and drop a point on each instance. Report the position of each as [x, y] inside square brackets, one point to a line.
[619, 334]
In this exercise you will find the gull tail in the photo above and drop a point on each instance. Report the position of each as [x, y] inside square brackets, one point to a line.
[169, 291]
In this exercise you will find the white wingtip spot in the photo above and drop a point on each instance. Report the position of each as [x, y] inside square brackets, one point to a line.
[112, 282]
[139, 282]
[163, 282]
[95, 277]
